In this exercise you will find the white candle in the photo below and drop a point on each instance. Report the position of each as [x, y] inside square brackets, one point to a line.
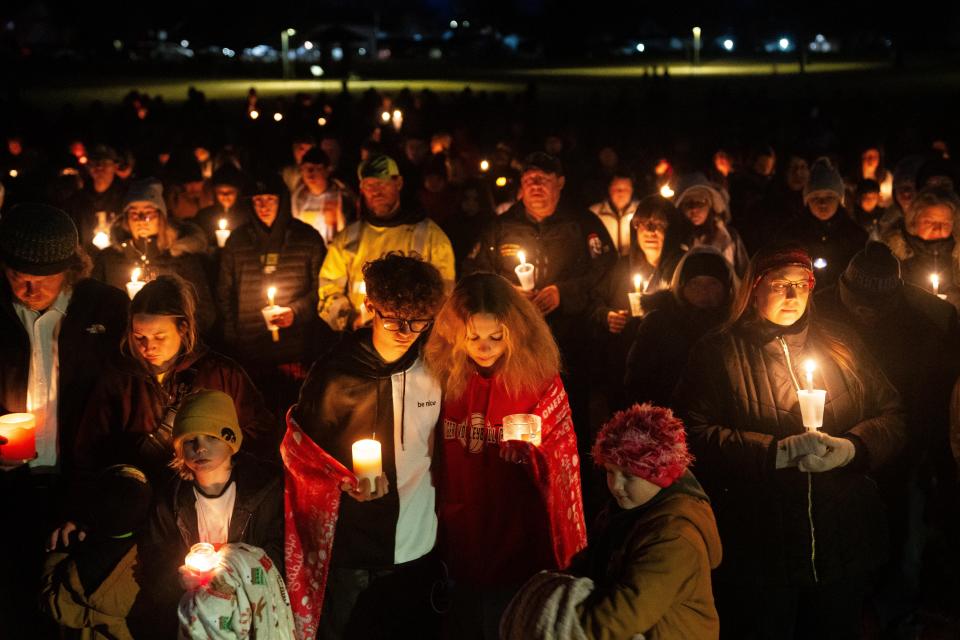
[367, 461]
[397, 119]
[271, 310]
[666, 191]
[135, 284]
[222, 233]
[524, 272]
[637, 283]
[935, 280]
[272, 295]
[811, 400]
[809, 366]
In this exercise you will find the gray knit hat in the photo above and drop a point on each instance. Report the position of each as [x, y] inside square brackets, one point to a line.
[823, 177]
[38, 239]
[146, 190]
[874, 271]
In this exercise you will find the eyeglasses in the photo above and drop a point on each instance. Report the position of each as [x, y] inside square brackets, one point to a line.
[650, 225]
[144, 216]
[418, 325]
[800, 286]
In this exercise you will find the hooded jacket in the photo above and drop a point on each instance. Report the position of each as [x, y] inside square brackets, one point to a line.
[651, 568]
[370, 238]
[352, 394]
[88, 340]
[920, 258]
[288, 256]
[737, 398]
[128, 403]
[187, 247]
[617, 223]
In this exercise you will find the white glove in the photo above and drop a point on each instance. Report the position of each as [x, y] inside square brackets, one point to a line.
[840, 452]
[792, 448]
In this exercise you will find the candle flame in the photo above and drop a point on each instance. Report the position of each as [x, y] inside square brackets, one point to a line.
[271, 294]
[385, 116]
[666, 191]
[522, 257]
[223, 224]
[484, 165]
[397, 114]
[254, 114]
[637, 282]
[935, 279]
[810, 366]
[135, 275]
[501, 181]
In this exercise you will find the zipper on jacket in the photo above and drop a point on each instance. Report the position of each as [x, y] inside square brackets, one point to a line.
[813, 535]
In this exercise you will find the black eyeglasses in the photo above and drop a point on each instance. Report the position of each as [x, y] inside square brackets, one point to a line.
[417, 325]
[144, 216]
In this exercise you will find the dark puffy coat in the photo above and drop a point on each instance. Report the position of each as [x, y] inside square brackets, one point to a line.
[89, 339]
[738, 400]
[185, 258]
[84, 206]
[919, 259]
[257, 520]
[836, 240]
[287, 256]
[128, 403]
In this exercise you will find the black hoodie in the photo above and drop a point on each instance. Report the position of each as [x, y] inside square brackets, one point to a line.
[348, 396]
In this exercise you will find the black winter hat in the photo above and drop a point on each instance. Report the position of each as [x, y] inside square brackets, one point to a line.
[269, 183]
[38, 239]
[120, 501]
[230, 176]
[316, 155]
[704, 263]
[874, 271]
[544, 162]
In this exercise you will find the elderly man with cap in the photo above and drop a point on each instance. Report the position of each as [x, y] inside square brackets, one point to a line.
[321, 200]
[915, 339]
[823, 229]
[385, 225]
[58, 329]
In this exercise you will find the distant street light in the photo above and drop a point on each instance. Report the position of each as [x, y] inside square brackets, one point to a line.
[285, 36]
[696, 46]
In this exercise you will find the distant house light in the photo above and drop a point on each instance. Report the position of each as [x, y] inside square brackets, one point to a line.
[728, 44]
[641, 47]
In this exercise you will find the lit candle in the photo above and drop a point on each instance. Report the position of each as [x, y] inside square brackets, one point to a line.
[484, 166]
[367, 461]
[254, 114]
[385, 116]
[637, 283]
[666, 191]
[101, 236]
[135, 284]
[524, 272]
[222, 233]
[526, 427]
[811, 400]
[202, 560]
[636, 307]
[397, 119]
[501, 182]
[935, 280]
[271, 310]
[819, 263]
[19, 429]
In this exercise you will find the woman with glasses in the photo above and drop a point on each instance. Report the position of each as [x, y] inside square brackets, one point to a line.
[129, 417]
[802, 523]
[706, 212]
[144, 238]
[507, 508]
[926, 243]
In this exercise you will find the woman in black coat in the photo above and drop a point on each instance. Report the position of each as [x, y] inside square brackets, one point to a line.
[802, 523]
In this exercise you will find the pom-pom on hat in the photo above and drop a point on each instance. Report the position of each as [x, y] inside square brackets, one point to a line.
[646, 440]
[210, 413]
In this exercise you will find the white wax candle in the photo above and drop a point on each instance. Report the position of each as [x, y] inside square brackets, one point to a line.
[811, 407]
[222, 233]
[525, 272]
[134, 286]
[367, 461]
[809, 366]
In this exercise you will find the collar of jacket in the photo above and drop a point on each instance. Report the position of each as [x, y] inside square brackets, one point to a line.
[254, 479]
[401, 217]
[930, 248]
[762, 332]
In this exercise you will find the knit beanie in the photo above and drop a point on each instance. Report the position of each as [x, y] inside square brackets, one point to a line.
[147, 190]
[120, 501]
[823, 177]
[647, 441]
[379, 166]
[704, 261]
[691, 185]
[873, 271]
[210, 413]
[38, 240]
[776, 257]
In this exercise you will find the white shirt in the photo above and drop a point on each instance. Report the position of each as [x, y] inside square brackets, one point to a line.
[416, 400]
[213, 515]
[43, 378]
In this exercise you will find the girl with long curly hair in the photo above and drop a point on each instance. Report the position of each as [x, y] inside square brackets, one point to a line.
[507, 509]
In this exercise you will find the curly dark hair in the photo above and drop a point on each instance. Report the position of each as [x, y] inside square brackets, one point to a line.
[404, 284]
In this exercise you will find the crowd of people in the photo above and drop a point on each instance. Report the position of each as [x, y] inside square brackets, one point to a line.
[205, 324]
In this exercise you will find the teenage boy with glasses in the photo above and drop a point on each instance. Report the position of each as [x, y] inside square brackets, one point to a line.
[372, 384]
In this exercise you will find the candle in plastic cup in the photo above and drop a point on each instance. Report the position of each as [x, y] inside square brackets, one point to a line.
[811, 407]
[20, 431]
[268, 313]
[636, 309]
[367, 461]
[524, 272]
[523, 426]
[135, 284]
[202, 559]
[222, 233]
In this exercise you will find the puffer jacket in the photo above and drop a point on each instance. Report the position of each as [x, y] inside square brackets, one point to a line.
[288, 256]
[651, 567]
[738, 399]
[129, 403]
[185, 258]
[919, 259]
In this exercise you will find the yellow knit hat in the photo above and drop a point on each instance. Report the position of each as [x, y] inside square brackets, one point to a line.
[210, 413]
